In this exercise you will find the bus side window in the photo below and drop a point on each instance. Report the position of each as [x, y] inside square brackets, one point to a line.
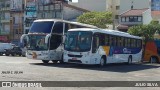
[110, 40]
[58, 28]
[66, 28]
[115, 41]
[129, 42]
[95, 44]
[133, 43]
[121, 42]
[118, 41]
[139, 43]
[102, 39]
[55, 41]
[125, 42]
[107, 40]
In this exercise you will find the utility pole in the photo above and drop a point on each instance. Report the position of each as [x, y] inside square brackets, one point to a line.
[113, 16]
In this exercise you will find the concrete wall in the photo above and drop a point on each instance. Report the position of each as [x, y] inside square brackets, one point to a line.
[125, 5]
[147, 18]
[70, 14]
[92, 5]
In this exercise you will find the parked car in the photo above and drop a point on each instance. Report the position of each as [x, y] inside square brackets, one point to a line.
[14, 51]
[4, 46]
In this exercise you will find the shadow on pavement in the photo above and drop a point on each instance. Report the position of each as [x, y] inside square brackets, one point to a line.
[123, 68]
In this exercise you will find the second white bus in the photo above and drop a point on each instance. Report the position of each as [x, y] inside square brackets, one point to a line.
[95, 46]
[46, 37]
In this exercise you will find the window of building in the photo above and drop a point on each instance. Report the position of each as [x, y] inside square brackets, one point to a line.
[117, 7]
[127, 19]
[131, 19]
[123, 19]
[117, 16]
[139, 19]
[135, 19]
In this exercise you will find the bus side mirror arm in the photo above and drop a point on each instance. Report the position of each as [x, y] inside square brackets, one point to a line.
[46, 38]
[22, 37]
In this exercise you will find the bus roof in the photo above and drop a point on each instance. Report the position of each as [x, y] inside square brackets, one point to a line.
[107, 31]
[71, 22]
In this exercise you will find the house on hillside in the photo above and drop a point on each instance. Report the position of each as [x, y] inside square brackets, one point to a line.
[134, 17]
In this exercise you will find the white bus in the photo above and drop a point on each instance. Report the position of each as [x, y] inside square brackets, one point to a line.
[96, 46]
[45, 39]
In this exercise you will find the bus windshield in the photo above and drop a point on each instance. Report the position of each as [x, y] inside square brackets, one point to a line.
[78, 41]
[37, 42]
[41, 27]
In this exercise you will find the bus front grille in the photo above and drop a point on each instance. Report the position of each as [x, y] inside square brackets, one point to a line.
[78, 56]
[74, 61]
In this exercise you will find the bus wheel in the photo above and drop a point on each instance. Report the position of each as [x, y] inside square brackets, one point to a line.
[45, 61]
[153, 60]
[7, 54]
[102, 62]
[130, 60]
[13, 54]
[61, 61]
[54, 61]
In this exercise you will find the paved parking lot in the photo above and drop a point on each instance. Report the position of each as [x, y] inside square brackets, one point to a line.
[35, 70]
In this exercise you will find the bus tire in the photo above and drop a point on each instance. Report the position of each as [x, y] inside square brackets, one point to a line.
[153, 59]
[61, 61]
[54, 61]
[13, 54]
[7, 54]
[45, 61]
[102, 61]
[129, 60]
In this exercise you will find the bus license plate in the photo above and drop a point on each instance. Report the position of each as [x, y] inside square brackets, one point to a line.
[74, 58]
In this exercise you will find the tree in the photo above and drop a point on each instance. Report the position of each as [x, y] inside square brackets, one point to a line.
[99, 19]
[153, 22]
[145, 31]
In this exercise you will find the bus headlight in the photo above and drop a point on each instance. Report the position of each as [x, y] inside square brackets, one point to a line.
[65, 52]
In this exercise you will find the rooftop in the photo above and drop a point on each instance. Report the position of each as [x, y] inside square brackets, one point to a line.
[155, 13]
[134, 12]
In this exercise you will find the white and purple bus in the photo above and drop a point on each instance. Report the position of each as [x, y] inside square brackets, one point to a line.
[99, 46]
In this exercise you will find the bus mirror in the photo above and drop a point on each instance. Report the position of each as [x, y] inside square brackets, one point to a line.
[63, 39]
[46, 38]
[22, 38]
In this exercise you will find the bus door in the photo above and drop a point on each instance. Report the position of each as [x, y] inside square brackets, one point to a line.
[56, 40]
[111, 57]
[95, 58]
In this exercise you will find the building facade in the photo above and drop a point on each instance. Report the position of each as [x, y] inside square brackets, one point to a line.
[4, 20]
[30, 14]
[155, 5]
[155, 8]
[91, 5]
[117, 7]
[16, 19]
[134, 17]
